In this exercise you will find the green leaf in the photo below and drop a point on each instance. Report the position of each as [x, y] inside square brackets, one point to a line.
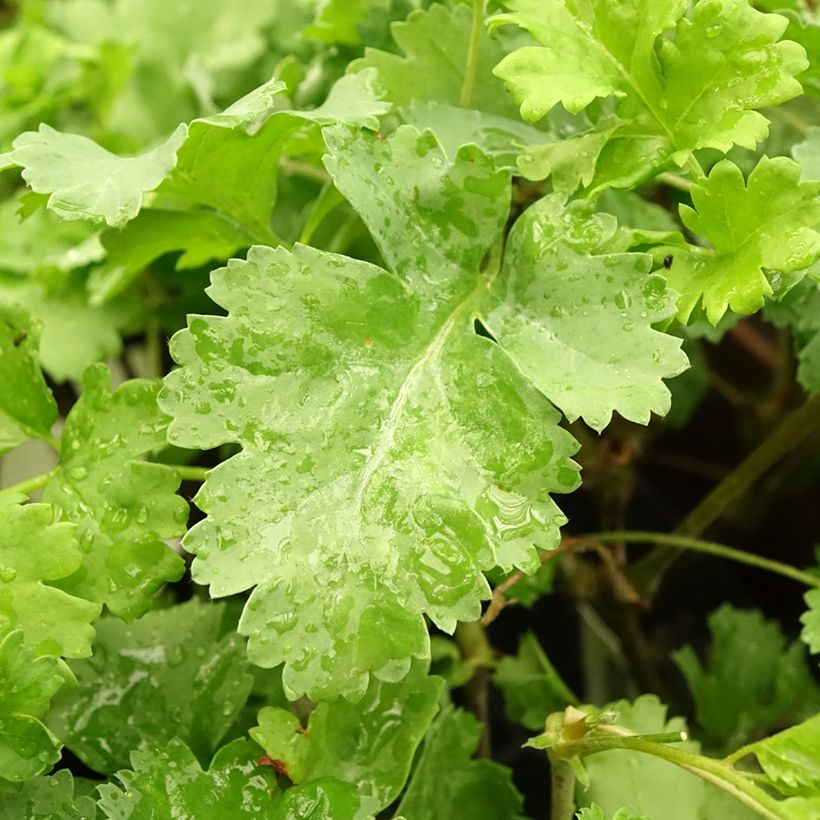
[169, 675]
[595, 812]
[447, 783]
[390, 383]
[46, 798]
[753, 681]
[791, 759]
[562, 309]
[124, 508]
[27, 684]
[369, 744]
[338, 21]
[167, 781]
[672, 94]
[27, 408]
[75, 333]
[84, 181]
[766, 223]
[36, 554]
[804, 28]
[811, 621]
[201, 236]
[620, 778]
[531, 686]
[430, 72]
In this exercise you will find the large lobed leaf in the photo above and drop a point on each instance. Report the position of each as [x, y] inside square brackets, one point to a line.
[389, 453]
[698, 88]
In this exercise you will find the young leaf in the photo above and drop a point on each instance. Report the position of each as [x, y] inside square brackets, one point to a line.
[46, 798]
[167, 781]
[561, 309]
[431, 72]
[170, 675]
[27, 408]
[124, 508]
[446, 783]
[807, 153]
[36, 554]
[369, 744]
[791, 759]
[84, 181]
[349, 384]
[768, 222]
[673, 95]
[531, 687]
[27, 684]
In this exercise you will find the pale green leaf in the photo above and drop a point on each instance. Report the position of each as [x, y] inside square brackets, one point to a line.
[811, 621]
[124, 508]
[791, 759]
[27, 684]
[46, 798]
[169, 675]
[560, 310]
[36, 554]
[531, 686]
[434, 43]
[753, 681]
[84, 181]
[447, 783]
[499, 137]
[369, 744]
[623, 778]
[344, 384]
[672, 94]
[167, 781]
[27, 408]
[766, 223]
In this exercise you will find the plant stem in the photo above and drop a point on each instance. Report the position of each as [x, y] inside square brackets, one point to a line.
[471, 69]
[30, 484]
[562, 791]
[789, 118]
[715, 771]
[478, 654]
[686, 542]
[793, 431]
[187, 473]
[675, 181]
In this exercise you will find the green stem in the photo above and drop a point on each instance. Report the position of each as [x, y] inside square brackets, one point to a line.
[715, 771]
[30, 484]
[675, 181]
[696, 168]
[789, 118]
[685, 542]
[562, 789]
[792, 432]
[471, 69]
[187, 473]
[478, 654]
